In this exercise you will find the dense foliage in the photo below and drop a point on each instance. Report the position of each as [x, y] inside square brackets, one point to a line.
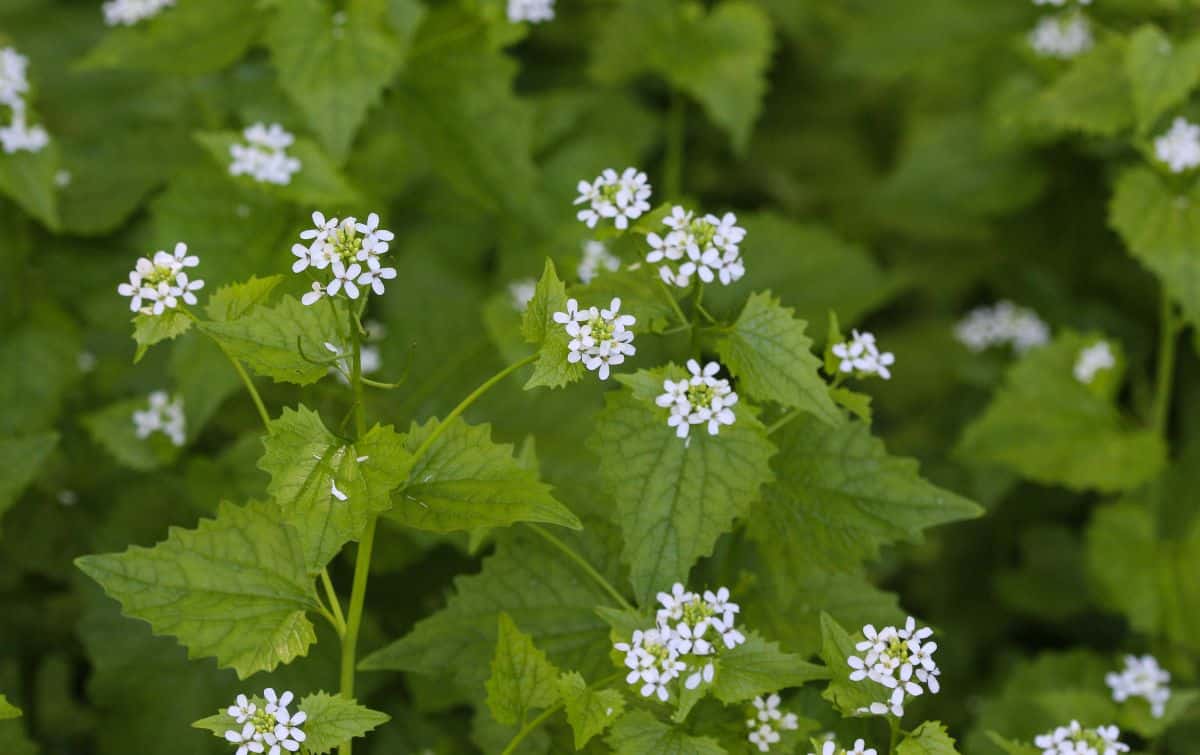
[524, 422]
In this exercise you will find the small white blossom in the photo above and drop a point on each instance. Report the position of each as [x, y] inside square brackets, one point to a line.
[1004, 323]
[163, 415]
[534, 11]
[621, 197]
[599, 337]
[351, 252]
[701, 399]
[768, 722]
[242, 709]
[247, 739]
[19, 136]
[521, 292]
[85, 361]
[1073, 739]
[67, 497]
[596, 259]
[862, 357]
[158, 283]
[1062, 37]
[264, 158]
[1179, 148]
[14, 78]
[706, 247]
[271, 729]
[287, 729]
[830, 747]
[1092, 359]
[129, 12]
[63, 178]
[1141, 677]
[899, 659]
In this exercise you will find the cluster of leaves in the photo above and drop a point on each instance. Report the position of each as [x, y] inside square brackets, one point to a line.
[896, 161]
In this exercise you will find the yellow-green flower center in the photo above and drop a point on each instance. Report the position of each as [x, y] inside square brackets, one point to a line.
[703, 231]
[695, 612]
[700, 395]
[346, 244]
[601, 329]
[262, 721]
[160, 274]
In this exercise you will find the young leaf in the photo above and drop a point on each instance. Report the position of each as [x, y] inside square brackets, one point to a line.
[552, 369]
[234, 588]
[151, 329]
[1093, 96]
[8, 710]
[930, 738]
[675, 496]
[21, 458]
[836, 646]
[522, 678]
[333, 721]
[772, 358]
[1013, 747]
[589, 712]
[28, 179]
[266, 340]
[330, 490]
[465, 481]
[1161, 74]
[640, 733]
[237, 299]
[757, 667]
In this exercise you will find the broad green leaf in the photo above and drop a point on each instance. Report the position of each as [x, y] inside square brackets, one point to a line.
[151, 329]
[21, 458]
[640, 733]
[930, 738]
[38, 364]
[28, 179]
[538, 327]
[1049, 427]
[768, 352]
[1092, 96]
[318, 182]
[522, 678]
[270, 339]
[757, 667]
[839, 496]
[1161, 227]
[334, 66]
[238, 299]
[1161, 74]
[190, 37]
[234, 588]
[465, 481]
[858, 404]
[847, 696]
[8, 710]
[589, 711]
[674, 497]
[330, 490]
[333, 721]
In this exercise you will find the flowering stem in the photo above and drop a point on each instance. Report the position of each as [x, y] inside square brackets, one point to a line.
[339, 621]
[683, 319]
[676, 131]
[894, 724]
[582, 564]
[1168, 330]
[546, 714]
[786, 418]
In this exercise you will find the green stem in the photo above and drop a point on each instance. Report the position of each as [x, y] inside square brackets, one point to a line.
[1168, 330]
[894, 724]
[582, 564]
[683, 319]
[545, 715]
[774, 426]
[263, 414]
[339, 621]
[676, 134]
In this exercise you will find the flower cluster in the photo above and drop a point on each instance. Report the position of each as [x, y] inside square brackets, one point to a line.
[599, 337]
[129, 12]
[158, 283]
[596, 258]
[18, 135]
[1179, 148]
[264, 158]
[351, 259]
[830, 747]
[521, 292]
[1062, 37]
[690, 632]
[1091, 360]
[1142, 677]
[861, 356]
[1003, 323]
[705, 246]
[768, 723]
[620, 197]
[269, 729]
[1076, 740]
[163, 415]
[534, 11]
[700, 399]
[899, 659]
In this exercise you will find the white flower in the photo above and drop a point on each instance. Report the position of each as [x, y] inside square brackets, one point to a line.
[247, 739]
[534, 11]
[599, 338]
[861, 356]
[1141, 677]
[352, 253]
[899, 659]
[242, 709]
[1179, 148]
[162, 415]
[763, 737]
[1002, 324]
[14, 80]
[1061, 37]
[860, 748]
[521, 292]
[314, 295]
[1073, 739]
[287, 729]
[620, 197]
[157, 283]
[129, 12]
[1092, 359]
[271, 729]
[264, 159]
[708, 247]
[18, 136]
[702, 399]
[596, 258]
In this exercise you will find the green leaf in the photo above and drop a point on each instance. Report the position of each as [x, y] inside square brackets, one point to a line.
[28, 179]
[836, 646]
[307, 463]
[37, 363]
[768, 352]
[1047, 426]
[930, 738]
[192, 36]
[757, 667]
[1161, 227]
[21, 459]
[334, 68]
[8, 710]
[266, 340]
[538, 327]
[1093, 95]
[522, 678]
[151, 329]
[675, 496]
[464, 481]
[238, 299]
[589, 711]
[839, 496]
[1013, 747]
[639, 733]
[234, 588]
[858, 404]
[318, 182]
[1161, 74]
[333, 721]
